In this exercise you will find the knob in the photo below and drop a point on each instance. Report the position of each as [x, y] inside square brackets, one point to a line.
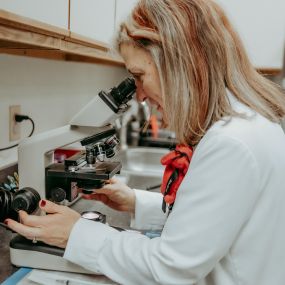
[58, 194]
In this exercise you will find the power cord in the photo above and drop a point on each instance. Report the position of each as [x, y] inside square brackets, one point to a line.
[19, 119]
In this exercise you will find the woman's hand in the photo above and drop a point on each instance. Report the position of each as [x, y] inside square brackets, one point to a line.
[53, 228]
[116, 195]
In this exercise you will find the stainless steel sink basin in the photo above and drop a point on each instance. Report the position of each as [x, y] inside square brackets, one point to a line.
[142, 161]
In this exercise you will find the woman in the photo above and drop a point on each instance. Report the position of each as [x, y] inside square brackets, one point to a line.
[227, 224]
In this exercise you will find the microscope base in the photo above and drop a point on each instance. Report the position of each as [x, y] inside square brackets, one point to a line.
[24, 253]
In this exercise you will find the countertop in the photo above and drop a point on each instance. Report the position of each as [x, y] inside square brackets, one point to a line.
[6, 268]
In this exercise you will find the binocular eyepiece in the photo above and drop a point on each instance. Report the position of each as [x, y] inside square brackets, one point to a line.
[26, 199]
[120, 95]
[124, 91]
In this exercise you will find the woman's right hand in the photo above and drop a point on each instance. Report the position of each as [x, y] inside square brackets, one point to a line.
[115, 194]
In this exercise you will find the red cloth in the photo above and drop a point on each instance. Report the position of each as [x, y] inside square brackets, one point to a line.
[177, 163]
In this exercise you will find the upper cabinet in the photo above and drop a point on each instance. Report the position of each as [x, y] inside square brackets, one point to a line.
[82, 30]
[123, 9]
[94, 19]
[53, 12]
[261, 26]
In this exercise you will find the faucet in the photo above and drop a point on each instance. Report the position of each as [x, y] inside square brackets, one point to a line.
[139, 112]
[146, 112]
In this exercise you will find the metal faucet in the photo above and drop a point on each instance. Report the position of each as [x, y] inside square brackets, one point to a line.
[141, 111]
[144, 107]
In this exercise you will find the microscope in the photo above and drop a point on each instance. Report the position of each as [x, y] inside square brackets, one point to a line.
[83, 172]
[91, 126]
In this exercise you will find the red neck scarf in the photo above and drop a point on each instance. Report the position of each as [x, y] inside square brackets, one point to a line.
[176, 165]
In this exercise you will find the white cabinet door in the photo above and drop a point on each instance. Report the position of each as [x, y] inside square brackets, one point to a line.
[93, 18]
[123, 9]
[261, 25]
[53, 12]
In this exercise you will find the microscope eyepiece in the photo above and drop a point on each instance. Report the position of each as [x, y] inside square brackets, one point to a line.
[124, 92]
[118, 96]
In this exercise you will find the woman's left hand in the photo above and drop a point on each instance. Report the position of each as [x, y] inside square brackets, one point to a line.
[53, 228]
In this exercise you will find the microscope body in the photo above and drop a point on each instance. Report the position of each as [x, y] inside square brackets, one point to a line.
[90, 126]
[83, 172]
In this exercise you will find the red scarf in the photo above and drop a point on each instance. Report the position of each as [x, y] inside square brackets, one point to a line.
[177, 163]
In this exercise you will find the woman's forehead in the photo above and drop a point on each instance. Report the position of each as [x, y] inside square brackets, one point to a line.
[134, 56]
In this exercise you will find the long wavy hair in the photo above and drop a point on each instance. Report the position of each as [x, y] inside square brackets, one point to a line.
[198, 56]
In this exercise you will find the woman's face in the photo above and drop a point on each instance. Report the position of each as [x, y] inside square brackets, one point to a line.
[141, 65]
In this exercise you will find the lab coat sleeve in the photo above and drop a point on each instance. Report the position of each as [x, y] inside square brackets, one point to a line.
[148, 213]
[214, 202]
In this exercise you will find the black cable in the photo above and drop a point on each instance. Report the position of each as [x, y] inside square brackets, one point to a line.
[33, 127]
[19, 119]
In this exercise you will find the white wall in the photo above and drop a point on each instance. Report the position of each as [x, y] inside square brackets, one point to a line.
[48, 91]
[261, 25]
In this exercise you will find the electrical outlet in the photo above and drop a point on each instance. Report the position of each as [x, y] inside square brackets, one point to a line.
[14, 127]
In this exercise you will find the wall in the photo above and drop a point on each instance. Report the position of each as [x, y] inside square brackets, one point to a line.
[48, 91]
[261, 25]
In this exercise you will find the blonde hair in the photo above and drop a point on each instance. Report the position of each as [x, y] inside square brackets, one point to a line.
[198, 55]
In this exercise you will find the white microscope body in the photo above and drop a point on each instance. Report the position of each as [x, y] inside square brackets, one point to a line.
[36, 154]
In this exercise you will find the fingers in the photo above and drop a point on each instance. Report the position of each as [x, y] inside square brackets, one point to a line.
[29, 220]
[50, 207]
[95, 196]
[38, 221]
[91, 196]
[26, 231]
[107, 189]
[112, 180]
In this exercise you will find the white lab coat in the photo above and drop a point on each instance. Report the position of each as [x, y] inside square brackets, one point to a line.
[227, 226]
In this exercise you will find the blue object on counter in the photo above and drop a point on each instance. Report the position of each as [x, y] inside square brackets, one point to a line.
[152, 234]
[17, 276]
[7, 186]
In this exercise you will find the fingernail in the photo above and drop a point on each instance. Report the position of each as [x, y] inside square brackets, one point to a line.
[43, 203]
[6, 222]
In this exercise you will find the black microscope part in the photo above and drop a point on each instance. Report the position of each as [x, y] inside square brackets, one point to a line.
[57, 194]
[97, 137]
[26, 199]
[75, 160]
[123, 93]
[119, 96]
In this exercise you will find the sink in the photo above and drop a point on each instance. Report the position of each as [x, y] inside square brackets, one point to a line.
[142, 161]
[141, 167]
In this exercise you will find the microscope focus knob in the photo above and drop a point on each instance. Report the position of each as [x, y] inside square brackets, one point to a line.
[58, 194]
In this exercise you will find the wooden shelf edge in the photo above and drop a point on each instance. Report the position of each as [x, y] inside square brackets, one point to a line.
[269, 71]
[88, 52]
[24, 23]
[63, 56]
[20, 37]
[76, 38]
[26, 37]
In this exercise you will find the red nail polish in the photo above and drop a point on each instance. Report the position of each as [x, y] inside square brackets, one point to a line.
[6, 222]
[43, 203]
